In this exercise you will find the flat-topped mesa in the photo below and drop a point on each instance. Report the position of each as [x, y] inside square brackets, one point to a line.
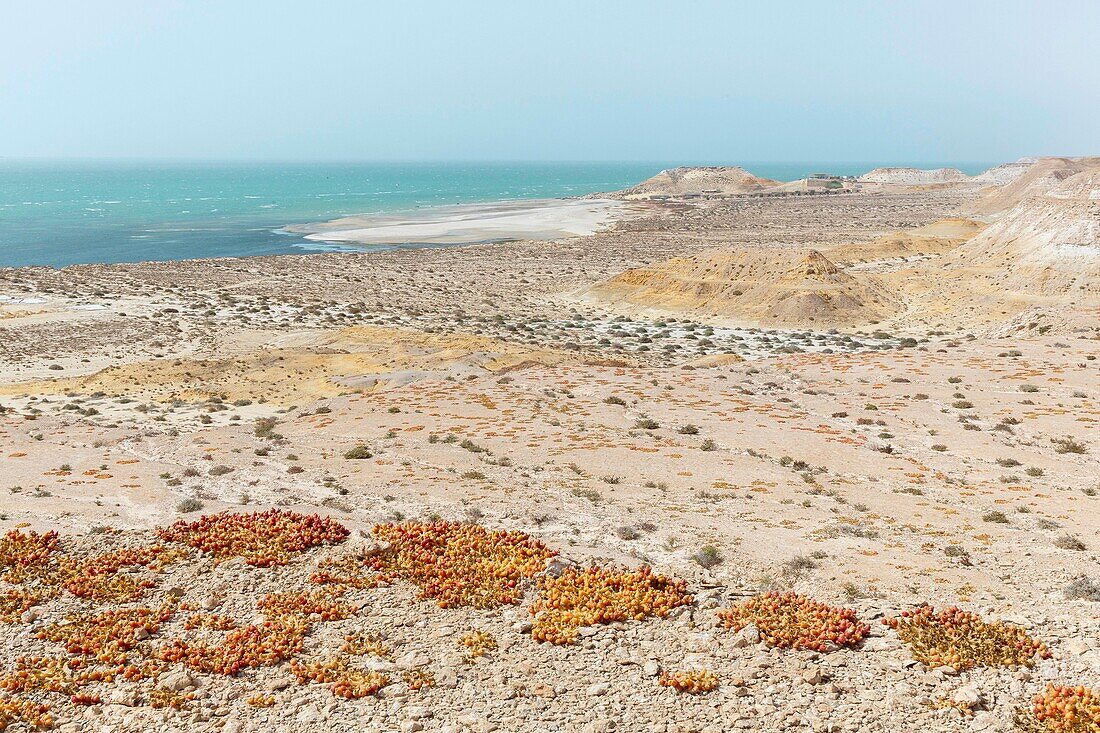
[698, 181]
[914, 176]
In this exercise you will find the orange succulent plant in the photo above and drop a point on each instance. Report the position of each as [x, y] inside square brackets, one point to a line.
[457, 564]
[263, 539]
[792, 621]
[579, 598]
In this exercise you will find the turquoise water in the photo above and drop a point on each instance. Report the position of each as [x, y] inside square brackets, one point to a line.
[59, 214]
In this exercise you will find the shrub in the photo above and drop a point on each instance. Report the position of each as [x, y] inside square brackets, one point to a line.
[1085, 589]
[265, 428]
[688, 429]
[478, 643]
[708, 557]
[1069, 542]
[591, 494]
[962, 640]
[694, 682]
[189, 505]
[996, 516]
[627, 533]
[791, 621]
[343, 679]
[457, 564]
[358, 453]
[579, 598]
[1068, 445]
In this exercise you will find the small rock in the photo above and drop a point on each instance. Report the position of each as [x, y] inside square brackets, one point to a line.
[557, 565]
[600, 688]
[177, 681]
[812, 676]
[968, 696]
[748, 636]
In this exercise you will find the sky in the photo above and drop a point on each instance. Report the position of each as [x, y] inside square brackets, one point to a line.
[561, 80]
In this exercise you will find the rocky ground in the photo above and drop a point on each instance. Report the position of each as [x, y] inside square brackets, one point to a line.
[867, 469]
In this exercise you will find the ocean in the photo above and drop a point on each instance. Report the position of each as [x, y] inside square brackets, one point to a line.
[65, 213]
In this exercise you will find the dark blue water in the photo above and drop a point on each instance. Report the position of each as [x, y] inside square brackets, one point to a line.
[58, 214]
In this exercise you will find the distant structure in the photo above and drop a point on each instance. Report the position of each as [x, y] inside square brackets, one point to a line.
[824, 181]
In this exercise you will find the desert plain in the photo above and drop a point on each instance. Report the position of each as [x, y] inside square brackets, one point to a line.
[878, 396]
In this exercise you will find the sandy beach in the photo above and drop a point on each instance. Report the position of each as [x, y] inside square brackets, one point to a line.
[500, 221]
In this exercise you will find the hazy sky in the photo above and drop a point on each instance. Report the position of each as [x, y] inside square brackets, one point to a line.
[551, 80]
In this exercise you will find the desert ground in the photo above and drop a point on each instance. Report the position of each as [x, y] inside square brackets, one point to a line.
[571, 485]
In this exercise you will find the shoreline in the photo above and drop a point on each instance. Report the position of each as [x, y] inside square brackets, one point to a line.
[530, 219]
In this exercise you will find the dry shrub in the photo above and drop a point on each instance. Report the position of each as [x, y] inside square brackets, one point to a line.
[962, 640]
[344, 680]
[478, 643]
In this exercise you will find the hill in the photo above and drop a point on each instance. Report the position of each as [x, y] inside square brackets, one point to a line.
[1038, 178]
[1003, 174]
[768, 286]
[699, 181]
[1049, 243]
[935, 238]
[914, 176]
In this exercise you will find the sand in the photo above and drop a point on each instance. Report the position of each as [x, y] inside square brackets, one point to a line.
[945, 455]
[531, 220]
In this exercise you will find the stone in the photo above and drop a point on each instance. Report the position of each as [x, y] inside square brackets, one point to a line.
[600, 688]
[968, 696]
[812, 676]
[557, 565]
[177, 681]
[651, 668]
[748, 636]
